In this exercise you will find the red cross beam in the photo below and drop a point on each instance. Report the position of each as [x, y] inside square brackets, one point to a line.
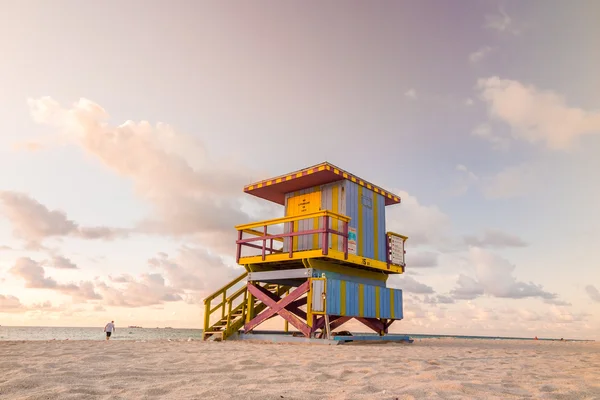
[277, 305]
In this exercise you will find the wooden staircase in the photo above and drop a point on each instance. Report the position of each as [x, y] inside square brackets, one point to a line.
[234, 308]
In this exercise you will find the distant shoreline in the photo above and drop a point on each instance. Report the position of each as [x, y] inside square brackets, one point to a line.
[20, 333]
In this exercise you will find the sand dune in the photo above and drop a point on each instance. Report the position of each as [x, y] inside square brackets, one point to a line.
[433, 368]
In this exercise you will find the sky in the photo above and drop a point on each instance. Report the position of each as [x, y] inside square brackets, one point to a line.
[128, 130]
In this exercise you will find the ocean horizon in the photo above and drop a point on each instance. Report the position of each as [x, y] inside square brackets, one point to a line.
[26, 333]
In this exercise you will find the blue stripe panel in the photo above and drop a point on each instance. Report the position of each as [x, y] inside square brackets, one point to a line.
[366, 235]
[384, 303]
[333, 297]
[367, 301]
[351, 298]
[398, 314]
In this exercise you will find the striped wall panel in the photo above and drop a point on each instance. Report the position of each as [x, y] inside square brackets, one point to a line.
[354, 299]
[367, 212]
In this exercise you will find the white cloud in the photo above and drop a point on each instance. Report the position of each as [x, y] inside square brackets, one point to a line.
[495, 238]
[10, 304]
[537, 116]
[501, 22]
[593, 293]
[511, 182]
[171, 171]
[421, 259]
[469, 102]
[34, 222]
[465, 180]
[479, 55]
[62, 262]
[494, 277]
[422, 224]
[411, 93]
[35, 277]
[484, 131]
[410, 285]
[438, 299]
[149, 289]
[183, 271]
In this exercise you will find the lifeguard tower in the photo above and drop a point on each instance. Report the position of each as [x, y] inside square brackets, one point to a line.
[325, 262]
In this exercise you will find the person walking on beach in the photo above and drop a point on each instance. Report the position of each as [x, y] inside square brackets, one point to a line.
[109, 329]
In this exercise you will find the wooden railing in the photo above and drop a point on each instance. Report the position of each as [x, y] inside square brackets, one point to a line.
[263, 235]
[226, 303]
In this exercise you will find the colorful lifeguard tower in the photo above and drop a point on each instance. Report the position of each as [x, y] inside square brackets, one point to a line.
[324, 263]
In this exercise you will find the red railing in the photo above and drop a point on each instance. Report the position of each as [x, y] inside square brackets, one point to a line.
[263, 235]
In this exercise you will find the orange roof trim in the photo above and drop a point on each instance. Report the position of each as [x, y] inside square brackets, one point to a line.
[274, 189]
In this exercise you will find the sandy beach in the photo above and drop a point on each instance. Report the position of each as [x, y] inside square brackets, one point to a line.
[432, 368]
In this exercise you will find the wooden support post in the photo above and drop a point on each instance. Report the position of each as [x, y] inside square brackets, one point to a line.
[264, 242]
[224, 301]
[291, 242]
[207, 314]
[250, 306]
[345, 240]
[373, 323]
[239, 248]
[325, 241]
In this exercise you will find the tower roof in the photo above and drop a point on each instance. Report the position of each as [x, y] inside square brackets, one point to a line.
[274, 189]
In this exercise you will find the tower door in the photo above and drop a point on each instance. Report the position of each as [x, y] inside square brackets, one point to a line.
[300, 205]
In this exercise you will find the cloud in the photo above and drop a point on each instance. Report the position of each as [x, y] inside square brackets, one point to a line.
[480, 54]
[536, 116]
[411, 93]
[422, 224]
[495, 238]
[34, 276]
[149, 290]
[501, 22]
[189, 193]
[438, 299]
[32, 273]
[5, 248]
[422, 259]
[465, 179]
[510, 182]
[467, 288]
[410, 285]
[61, 262]
[484, 131]
[183, 273]
[34, 222]
[513, 181]
[469, 102]
[494, 277]
[189, 276]
[10, 304]
[593, 293]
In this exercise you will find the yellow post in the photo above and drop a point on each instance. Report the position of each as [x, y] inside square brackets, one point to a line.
[228, 317]
[309, 314]
[286, 324]
[250, 308]
[224, 301]
[206, 315]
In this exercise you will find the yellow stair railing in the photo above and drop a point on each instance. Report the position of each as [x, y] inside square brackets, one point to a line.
[233, 311]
